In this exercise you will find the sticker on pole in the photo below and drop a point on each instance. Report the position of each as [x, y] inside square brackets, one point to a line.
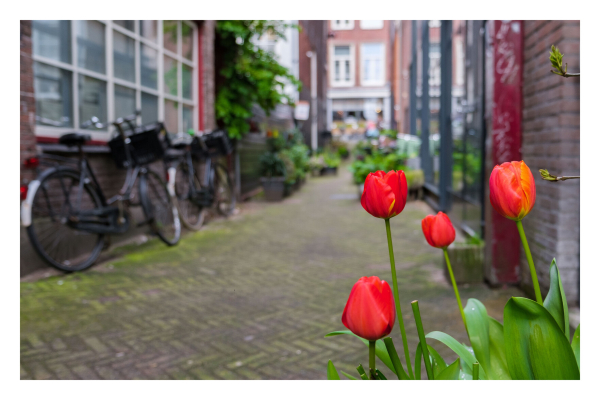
[302, 110]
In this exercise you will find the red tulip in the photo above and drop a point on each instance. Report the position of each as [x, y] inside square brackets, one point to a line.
[370, 311]
[512, 190]
[384, 195]
[438, 230]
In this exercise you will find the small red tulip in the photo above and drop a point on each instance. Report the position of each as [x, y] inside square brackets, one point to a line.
[512, 190]
[384, 195]
[370, 311]
[438, 230]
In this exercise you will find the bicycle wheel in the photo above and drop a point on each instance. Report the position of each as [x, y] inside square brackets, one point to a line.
[190, 213]
[53, 239]
[224, 191]
[159, 208]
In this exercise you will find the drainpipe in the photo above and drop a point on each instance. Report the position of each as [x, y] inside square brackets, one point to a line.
[313, 98]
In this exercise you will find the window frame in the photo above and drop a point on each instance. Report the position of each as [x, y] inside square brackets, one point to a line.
[365, 27]
[104, 135]
[342, 27]
[380, 82]
[351, 58]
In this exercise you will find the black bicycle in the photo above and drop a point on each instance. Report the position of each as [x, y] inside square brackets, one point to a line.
[66, 213]
[196, 192]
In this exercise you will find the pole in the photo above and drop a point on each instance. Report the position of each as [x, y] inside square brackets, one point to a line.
[313, 97]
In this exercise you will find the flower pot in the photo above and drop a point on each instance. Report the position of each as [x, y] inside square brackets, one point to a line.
[274, 188]
[329, 171]
[467, 262]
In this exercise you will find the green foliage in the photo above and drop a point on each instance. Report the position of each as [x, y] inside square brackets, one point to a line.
[332, 373]
[331, 160]
[276, 144]
[249, 74]
[556, 301]
[556, 61]
[316, 163]
[290, 168]
[299, 155]
[390, 133]
[377, 161]
[271, 165]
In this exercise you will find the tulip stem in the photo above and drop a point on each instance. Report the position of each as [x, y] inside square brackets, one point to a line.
[397, 298]
[372, 359]
[422, 340]
[460, 306]
[476, 371]
[536, 284]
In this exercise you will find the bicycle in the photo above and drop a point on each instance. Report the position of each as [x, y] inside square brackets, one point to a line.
[193, 193]
[66, 213]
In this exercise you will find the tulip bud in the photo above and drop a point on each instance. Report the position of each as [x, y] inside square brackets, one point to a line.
[512, 190]
[438, 230]
[384, 195]
[370, 311]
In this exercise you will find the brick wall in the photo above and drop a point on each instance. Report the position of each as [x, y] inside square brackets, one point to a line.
[551, 140]
[27, 102]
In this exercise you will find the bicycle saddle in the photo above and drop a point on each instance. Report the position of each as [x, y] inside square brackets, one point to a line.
[74, 139]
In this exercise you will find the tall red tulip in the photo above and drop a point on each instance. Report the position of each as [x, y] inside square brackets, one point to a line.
[370, 312]
[512, 190]
[438, 230]
[384, 195]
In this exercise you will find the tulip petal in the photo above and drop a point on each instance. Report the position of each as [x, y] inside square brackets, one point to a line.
[377, 196]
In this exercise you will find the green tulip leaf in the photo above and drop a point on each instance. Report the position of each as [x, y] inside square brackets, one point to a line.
[556, 301]
[437, 361]
[398, 367]
[499, 367]
[379, 375]
[362, 372]
[380, 349]
[536, 347]
[348, 376]
[575, 345]
[332, 374]
[479, 333]
[464, 354]
[451, 373]
[418, 355]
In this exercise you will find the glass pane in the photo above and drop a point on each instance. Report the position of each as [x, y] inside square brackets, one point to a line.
[348, 70]
[170, 75]
[187, 40]
[337, 70]
[171, 117]
[52, 39]
[124, 56]
[124, 101]
[91, 45]
[188, 118]
[53, 93]
[186, 81]
[149, 108]
[127, 24]
[92, 99]
[149, 66]
[149, 30]
[342, 50]
[372, 49]
[170, 35]
[367, 75]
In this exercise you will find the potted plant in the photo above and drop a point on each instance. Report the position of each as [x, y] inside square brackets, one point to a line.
[290, 171]
[316, 165]
[272, 171]
[467, 260]
[332, 161]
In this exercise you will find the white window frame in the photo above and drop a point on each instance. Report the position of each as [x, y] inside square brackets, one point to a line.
[111, 80]
[342, 24]
[371, 24]
[333, 59]
[380, 82]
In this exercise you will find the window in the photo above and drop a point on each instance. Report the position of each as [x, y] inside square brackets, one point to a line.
[347, 24]
[342, 65]
[371, 24]
[372, 64]
[108, 69]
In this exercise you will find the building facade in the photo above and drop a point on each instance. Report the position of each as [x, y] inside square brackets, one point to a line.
[360, 63]
[73, 70]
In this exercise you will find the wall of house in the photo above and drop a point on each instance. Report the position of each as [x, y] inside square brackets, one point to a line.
[207, 31]
[27, 102]
[550, 140]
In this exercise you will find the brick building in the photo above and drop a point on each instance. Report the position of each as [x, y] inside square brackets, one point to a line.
[359, 75]
[73, 70]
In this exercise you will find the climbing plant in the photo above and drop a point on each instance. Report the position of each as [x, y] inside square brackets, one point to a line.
[247, 74]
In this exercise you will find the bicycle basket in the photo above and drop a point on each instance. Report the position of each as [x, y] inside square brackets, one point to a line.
[216, 142]
[144, 148]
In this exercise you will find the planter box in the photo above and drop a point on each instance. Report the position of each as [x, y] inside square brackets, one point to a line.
[467, 262]
[273, 187]
[329, 171]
